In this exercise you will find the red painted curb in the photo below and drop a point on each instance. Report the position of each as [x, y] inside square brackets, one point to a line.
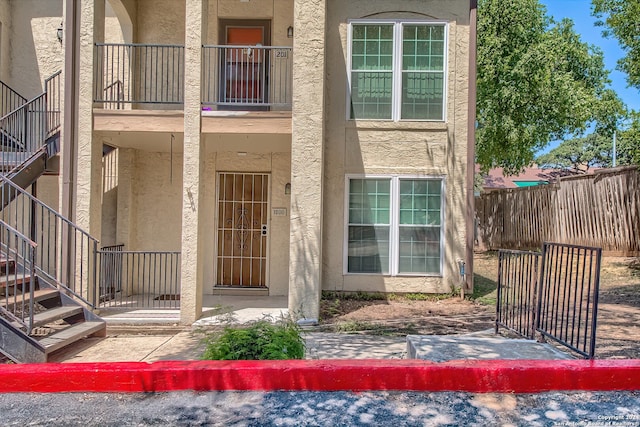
[505, 376]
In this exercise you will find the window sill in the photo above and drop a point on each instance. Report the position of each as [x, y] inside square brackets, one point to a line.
[389, 125]
[404, 275]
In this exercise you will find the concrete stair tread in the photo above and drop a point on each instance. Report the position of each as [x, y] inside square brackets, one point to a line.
[38, 295]
[53, 314]
[14, 279]
[70, 335]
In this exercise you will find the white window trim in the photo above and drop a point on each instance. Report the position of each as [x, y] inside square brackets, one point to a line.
[396, 99]
[394, 226]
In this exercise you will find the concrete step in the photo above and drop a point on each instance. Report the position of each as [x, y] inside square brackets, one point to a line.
[57, 313]
[38, 295]
[72, 334]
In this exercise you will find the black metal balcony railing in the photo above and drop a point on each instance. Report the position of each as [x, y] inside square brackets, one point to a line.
[138, 74]
[233, 76]
[138, 279]
[253, 76]
[553, 294]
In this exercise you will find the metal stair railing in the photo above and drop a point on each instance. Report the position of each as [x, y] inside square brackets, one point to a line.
[56, 236]
[25, 131]
[18, 273]
[9, 99]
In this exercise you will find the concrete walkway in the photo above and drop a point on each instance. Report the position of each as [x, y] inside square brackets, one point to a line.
[153, 335]
[167, 341]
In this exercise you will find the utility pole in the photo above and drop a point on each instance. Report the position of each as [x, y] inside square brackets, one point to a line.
[614, 148]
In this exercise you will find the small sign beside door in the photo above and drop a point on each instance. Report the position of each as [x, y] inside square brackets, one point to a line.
[279, 212]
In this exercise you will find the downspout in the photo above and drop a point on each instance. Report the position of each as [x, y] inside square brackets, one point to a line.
[471, 155]
[69, 130]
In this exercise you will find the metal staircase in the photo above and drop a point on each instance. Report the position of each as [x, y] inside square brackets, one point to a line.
[47, 263]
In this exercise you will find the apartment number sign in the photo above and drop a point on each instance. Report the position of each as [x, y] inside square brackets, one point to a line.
[281, 53]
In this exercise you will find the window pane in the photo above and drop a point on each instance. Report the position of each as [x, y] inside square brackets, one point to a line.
[422, 96]
[423, 59]
[372, 47]
[371, 95]
[369, 201]
[420, 201]
[419, 250]
[419, 233]
[368, 249]
[369, 217]
[421, 44]
[372, 71]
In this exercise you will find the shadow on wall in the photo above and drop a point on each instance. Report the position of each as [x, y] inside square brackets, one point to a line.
[303, 289]
[36, 51]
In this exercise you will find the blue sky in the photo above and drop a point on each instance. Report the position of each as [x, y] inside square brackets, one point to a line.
[579, 11]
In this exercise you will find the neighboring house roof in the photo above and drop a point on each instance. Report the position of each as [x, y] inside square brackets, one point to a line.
[496, 179]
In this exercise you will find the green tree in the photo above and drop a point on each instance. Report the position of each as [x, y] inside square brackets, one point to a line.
[628, 146]
[621, 19]
[537, 82]
[580, 154]
[596, 150]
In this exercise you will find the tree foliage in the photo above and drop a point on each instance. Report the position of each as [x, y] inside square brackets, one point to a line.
[580, 154]
[629, 141]
[537, 82]
[621, 19]
[596, 150]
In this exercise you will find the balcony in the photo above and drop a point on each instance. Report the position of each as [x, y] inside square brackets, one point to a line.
[151, 77]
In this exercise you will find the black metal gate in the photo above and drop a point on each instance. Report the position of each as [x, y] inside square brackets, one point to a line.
[553, 293]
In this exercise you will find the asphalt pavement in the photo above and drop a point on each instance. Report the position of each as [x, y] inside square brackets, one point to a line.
[321, 409]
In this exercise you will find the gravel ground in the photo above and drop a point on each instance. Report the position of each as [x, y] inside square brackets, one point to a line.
[321, 409]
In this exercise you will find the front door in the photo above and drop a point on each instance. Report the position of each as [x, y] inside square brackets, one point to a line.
[242, 229]
[244, 78]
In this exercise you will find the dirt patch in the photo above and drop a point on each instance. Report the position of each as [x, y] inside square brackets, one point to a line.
[399, 316]
[618, 331]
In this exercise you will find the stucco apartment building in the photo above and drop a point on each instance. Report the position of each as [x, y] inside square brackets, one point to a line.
[257, 147]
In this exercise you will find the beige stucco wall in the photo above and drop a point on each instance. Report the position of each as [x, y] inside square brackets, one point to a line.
[112, 26]
[278, 165]
[160, 21]
[149, 201]
[5, 32]
[147, 197]
[157, 201]
[405, 148]
[280, 12]
[35, 52]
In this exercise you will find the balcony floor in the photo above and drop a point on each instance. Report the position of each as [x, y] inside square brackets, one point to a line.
[213, 122]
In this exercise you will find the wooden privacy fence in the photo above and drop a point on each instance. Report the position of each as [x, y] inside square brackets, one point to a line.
[601, 210]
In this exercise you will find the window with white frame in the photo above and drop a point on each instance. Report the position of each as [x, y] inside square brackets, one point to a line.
[394, 225]
[397, 70]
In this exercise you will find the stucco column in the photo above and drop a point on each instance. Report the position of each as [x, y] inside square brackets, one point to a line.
[307, 142]
[125, 205]
[192, 177]
[89, 157]
[88, 188]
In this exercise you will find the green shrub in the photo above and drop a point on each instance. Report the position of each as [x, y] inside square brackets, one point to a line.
[262, 340]
[354, 296]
